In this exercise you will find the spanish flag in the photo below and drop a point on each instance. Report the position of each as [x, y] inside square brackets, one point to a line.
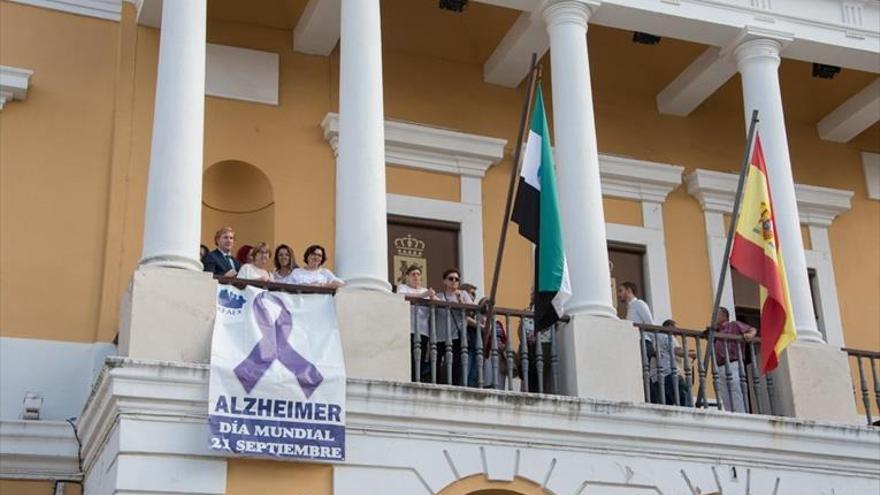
[756, 254]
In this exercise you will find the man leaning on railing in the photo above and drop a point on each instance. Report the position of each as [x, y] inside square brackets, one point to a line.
[728, 359]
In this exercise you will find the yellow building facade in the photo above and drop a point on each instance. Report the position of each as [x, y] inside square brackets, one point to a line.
[75, 158]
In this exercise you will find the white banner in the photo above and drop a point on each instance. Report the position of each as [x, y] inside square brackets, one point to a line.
[277, 376]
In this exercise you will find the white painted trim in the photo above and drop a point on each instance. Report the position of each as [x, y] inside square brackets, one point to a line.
[641, 180]
[317, 30]
[443, 434]
[696, 83]
[655, 265]
[428, 148]
[853, 116]
[871, 167]
[144, 430]
[241, 74]
[815, 26]
[816, 205]
[63, 379]
[14, 83]
[817, 208]
[468, 215]
[819, 259]
[39, 450]
[102, 9]
[716, 239]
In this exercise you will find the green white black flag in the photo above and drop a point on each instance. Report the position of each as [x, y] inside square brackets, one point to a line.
[536, 211]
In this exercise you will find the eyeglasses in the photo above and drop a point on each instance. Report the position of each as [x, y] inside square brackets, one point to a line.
[452, 279]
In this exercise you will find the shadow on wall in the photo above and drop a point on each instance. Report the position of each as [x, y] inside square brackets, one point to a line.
[238, 194]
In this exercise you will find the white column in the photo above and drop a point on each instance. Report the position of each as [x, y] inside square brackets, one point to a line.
[580, 191]
[361, 212]
[758, 63]
[172, 223]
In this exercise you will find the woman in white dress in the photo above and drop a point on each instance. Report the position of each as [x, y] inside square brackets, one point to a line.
[413, 287]
[312, 273]
[257, 269]
[284, 265]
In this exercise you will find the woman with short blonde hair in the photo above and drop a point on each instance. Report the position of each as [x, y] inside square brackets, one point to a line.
[258, 266]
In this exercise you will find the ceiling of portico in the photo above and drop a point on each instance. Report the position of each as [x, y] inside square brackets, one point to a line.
[278, 14]
[416, 27]
[620, 68]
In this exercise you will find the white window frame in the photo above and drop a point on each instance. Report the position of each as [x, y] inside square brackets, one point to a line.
[817, 209]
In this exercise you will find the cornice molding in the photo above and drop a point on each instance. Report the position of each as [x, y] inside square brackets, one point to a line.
[14, 83]
[817, 206]
[45, 450]
[101, 9]
[136, 390]
[638, 179]
[429, 148]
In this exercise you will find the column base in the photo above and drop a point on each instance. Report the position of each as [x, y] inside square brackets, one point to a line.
[813, 381]
[601, 359]
[172, 261]
[375, 328]
[367, 283]
[168, 315]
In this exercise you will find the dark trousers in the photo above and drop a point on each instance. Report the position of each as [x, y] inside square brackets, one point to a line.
[684, 394]
[441, 368]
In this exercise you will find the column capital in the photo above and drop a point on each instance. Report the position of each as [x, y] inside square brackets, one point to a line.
[578, 12]
[766, 49]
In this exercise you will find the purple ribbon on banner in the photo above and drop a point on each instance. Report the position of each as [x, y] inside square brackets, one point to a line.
[274, 345]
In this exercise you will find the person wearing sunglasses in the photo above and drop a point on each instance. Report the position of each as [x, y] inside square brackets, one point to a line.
[450, 323]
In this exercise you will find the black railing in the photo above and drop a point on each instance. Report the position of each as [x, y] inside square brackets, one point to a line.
[863, 388]
[728, 362]
[451, 345]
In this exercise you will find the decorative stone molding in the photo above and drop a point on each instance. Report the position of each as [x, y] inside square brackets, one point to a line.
[38, 450]
[102, 9]
[816, 205]
[429, 148]
[636, 179]
[155, 411]
[14, 83]
[817, 208]
[871, 167]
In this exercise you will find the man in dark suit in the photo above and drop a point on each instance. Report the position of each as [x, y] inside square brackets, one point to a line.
[220, 261]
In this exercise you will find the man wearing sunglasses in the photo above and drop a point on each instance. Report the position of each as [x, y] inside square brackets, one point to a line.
[450, 325]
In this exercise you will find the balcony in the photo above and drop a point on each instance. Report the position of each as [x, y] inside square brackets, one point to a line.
[147, 416]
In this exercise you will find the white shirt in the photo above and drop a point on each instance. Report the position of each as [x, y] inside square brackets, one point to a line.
[304, 276]
[283, 279]
[250, 271]
[423, 313]
[637, 311]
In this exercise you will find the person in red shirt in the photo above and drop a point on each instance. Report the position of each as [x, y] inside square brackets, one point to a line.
[728, 357]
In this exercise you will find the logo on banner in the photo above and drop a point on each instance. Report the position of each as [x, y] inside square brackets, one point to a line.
[229, 302]
[277, 386]
[274, 346]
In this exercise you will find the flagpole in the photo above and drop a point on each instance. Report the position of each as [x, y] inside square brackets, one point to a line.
[734, 219]
[725, 261]
[514, 174]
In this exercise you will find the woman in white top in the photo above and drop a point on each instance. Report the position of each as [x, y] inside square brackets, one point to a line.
[312, 273]
[413, 287]
[258, 268]
[284, 264]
